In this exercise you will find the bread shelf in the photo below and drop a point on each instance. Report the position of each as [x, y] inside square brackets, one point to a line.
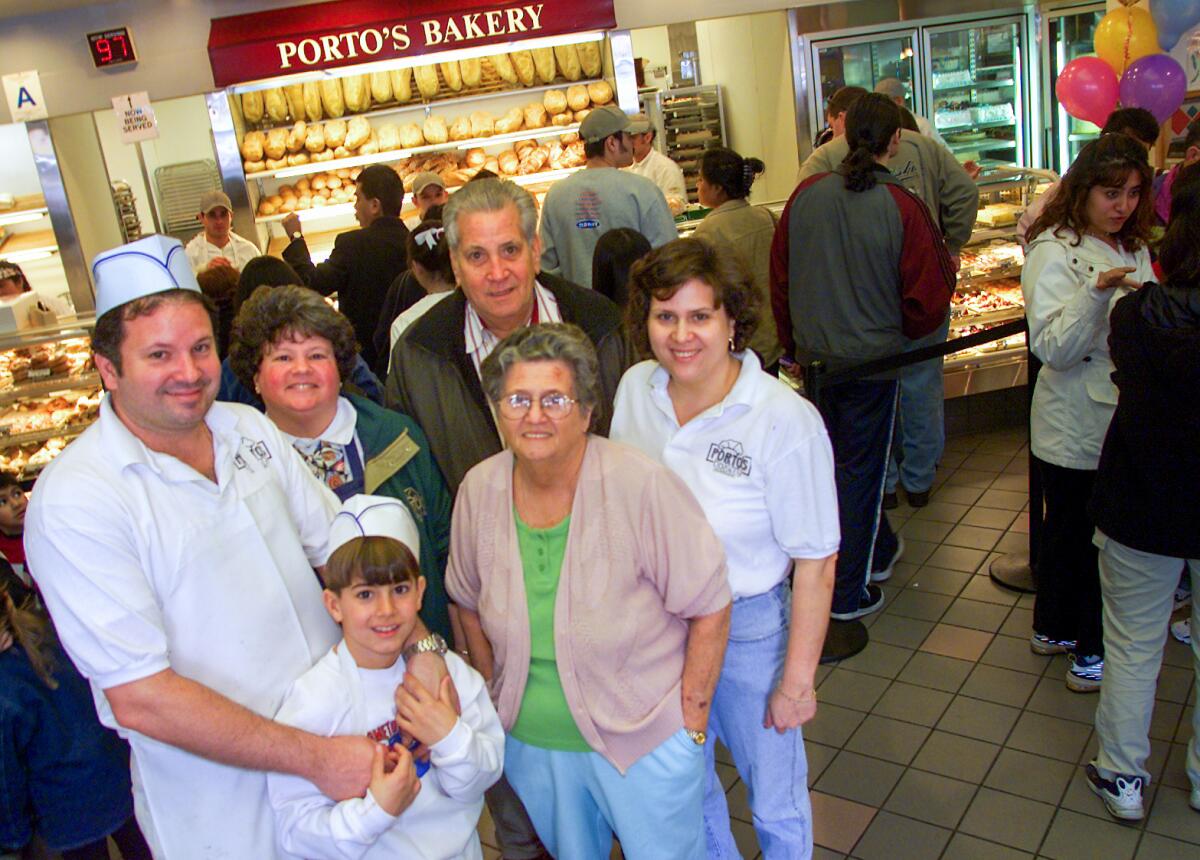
[68, 432]
[48, 386]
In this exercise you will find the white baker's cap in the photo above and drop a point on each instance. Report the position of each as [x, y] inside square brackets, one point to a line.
[374, 516]
[151, 265]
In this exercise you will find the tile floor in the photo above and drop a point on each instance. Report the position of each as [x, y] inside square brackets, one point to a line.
[946, 738]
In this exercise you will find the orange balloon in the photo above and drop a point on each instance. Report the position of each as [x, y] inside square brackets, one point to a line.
[1125, 35]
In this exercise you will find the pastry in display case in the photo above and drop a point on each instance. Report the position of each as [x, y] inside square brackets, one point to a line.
[49, 394]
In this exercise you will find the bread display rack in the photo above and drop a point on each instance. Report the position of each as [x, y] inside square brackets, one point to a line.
[688, 120]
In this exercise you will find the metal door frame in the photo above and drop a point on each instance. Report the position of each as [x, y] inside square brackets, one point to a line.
[1064, 10]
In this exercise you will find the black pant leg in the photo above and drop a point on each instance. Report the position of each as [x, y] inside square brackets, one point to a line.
[1068, 581]
[514, 831]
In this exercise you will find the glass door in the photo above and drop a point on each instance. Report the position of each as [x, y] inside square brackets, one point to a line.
[1069, 36]
[863, 61]
[975, 75]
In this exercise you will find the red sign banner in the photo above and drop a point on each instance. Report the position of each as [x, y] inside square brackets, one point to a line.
[352, 32]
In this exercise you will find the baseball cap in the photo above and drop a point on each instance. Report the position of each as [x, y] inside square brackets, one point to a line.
[602, 122]
[210, 200]
[151, 265]
[426, 178]
[639, 124]
[374, 516]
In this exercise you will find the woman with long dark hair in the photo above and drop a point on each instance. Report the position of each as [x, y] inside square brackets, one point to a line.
[1086, 250]
[858, 267]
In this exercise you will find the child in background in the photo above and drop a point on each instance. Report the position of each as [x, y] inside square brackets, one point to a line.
[63, 776]
[373, 589]
[13, 501]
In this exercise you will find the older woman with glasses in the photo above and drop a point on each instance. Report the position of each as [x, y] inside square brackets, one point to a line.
[593, 595]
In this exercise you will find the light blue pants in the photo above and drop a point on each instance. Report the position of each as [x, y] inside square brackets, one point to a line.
[1139, 592]
[922, 420]
[578, 800]
[772, 765]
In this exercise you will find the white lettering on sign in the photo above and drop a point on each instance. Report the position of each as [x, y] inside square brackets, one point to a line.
[24, 91]
[436, 31]
[135, 117]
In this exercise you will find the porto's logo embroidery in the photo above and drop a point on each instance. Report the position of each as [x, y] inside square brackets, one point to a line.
[729, 459]
[416, 502]
[253, 448]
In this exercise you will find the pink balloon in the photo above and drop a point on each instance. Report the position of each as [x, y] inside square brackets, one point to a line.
[1088, 89]
[1157, 83]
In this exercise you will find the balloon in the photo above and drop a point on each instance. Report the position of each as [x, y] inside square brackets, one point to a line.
[1174, 18]
[1125, 35]
[1088, 89]
[1156, 83]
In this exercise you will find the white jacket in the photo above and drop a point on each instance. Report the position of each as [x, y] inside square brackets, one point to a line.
[1074, 398]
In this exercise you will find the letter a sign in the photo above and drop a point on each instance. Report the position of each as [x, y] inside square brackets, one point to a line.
[24, 92]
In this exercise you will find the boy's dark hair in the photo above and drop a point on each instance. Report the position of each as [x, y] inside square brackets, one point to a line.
[8, 479]
[1138, 123]
[372, 560]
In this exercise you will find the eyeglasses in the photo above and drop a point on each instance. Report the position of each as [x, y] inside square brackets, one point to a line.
[555, 406]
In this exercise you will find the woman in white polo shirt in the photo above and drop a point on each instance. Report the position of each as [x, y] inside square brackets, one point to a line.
[757, 458]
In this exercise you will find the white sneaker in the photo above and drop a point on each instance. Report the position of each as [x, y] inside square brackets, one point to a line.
[886, 574]
[1122, 795]
[1182, 630]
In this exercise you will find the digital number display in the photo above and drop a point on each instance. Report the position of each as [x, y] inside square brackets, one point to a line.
[111, 47]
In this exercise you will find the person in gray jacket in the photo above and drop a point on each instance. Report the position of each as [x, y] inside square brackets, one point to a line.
[927, 169]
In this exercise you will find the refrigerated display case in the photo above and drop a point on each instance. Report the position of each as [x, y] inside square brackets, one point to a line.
[1067, 35]
[863, 60]
[975, 75]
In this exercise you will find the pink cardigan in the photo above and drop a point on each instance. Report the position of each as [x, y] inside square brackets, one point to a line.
[640, 561]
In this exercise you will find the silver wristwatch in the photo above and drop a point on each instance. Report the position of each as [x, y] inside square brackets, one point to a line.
[431, 644]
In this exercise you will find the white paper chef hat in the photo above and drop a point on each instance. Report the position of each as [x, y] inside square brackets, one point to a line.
[151, 265]
[374, 516]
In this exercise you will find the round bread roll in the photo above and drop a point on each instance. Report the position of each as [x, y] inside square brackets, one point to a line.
[254, 166]
[296, 159]
[452, 75]
[535, 115]
[342, 152]
[318, 182]
[555, 101]
[276, 145]
[435, 130]
[590, 59]
[600, 92]
[275, 200]
[369, 148]
[427, 81]
[410, 135]
[562, 119]
[343, 173]
[295, 99]
[476, 157]
[287, 191]
[252, 145]
[471, 71]
[313, 110]
[335, 133]
[568, 62]
[288, 204]
[303, 185]
[276, 163]
[276, 104]
[381, 87]
[543, 63]
[580, 115]
[319, 200]
[304, 201]
[401, 84]
[332, 101]
[523, 65]
[333, 181]
[324, 155]
[460, 129]
[577, 97]
[267, 208]
[511, 121]
[252, 107]
[503, 66]
[568, 138]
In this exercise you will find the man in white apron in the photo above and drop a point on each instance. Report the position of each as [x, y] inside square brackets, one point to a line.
[174, 542]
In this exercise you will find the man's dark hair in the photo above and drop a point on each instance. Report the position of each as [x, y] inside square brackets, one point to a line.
[109, 334]
[595, 148]
[380, 182]
[1138, 123]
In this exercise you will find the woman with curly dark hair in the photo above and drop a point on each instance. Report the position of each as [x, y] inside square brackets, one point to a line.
[758, 459]
[1086, 250]
[291, 348]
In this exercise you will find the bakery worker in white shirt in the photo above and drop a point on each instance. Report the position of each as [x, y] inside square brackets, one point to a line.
[175, 542]
[216, 244]
[652, 164]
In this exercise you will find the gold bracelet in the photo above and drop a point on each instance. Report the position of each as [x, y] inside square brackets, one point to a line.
[804, 700]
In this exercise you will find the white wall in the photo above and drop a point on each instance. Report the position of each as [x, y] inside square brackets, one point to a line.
[652, 45]
[749, 57]
[18, 174]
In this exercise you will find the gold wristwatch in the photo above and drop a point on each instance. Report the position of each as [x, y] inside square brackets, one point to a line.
[698, 738]
[431, 644]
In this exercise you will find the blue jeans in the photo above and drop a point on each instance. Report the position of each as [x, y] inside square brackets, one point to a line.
[922, 421]
[578, 800]
[772, 765]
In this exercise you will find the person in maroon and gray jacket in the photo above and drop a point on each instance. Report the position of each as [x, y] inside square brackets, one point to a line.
[858, 268]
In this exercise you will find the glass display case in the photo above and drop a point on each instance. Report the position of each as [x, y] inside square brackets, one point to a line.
[863, 61]
[975, 77]
[1069, 35]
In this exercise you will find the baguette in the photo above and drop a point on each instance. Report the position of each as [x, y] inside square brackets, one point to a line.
[312, 102]
[401, 84]
[381, 87]
[276, 104]
[524, 66]
[332, 101]
[427, 81]
[568, 62]
[252, 107]
[335, 133]
[503, 66]
[255, 166]
[294, 93]
[276, 163]
[296, 159]
[471, 71]
[356, 91]
[543, 63]
[590, 59]
[358, 132]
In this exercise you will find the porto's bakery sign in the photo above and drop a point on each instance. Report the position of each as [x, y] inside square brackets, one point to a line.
[349, 32]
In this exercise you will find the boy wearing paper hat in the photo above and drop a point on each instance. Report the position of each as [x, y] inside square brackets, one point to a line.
[174, 542]
[373, 589]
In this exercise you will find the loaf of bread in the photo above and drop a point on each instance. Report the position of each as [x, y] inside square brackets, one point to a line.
[492, 164]
[389, 137]
[276, 104]
[369, 147]
[471, 71]
[356, 91]
[555, 101]
[294, 93]
[266, 207]
[323, 155]
[276, 145]
[483, 124]
[410, 135]
[452, 75]
[312, 102]
[535, 115]
[577, 97]
[503, 66]
[600, 92]
[254, 166]
[315, 141]
[358, 132]
[335, 133]
[252, 145]
[381, 87]
[476, 157]
[581, 114]
[568, 62]
[523, 65]
[435, 130]
[332, 101]
[252, 107]
[276, 163]
[342, 152]
[568, 138]
[427, 81]
[401, 84]
[460, 129]
[532, 160]
[511, 121]
[564, 119]
[295, 138]
[590, 59]
[508, 162]
[543, 63]
[296, 159]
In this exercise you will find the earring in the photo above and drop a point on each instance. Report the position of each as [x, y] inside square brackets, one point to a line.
[731, 347]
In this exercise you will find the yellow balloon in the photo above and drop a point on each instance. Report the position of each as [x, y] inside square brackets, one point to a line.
[1125, 35]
